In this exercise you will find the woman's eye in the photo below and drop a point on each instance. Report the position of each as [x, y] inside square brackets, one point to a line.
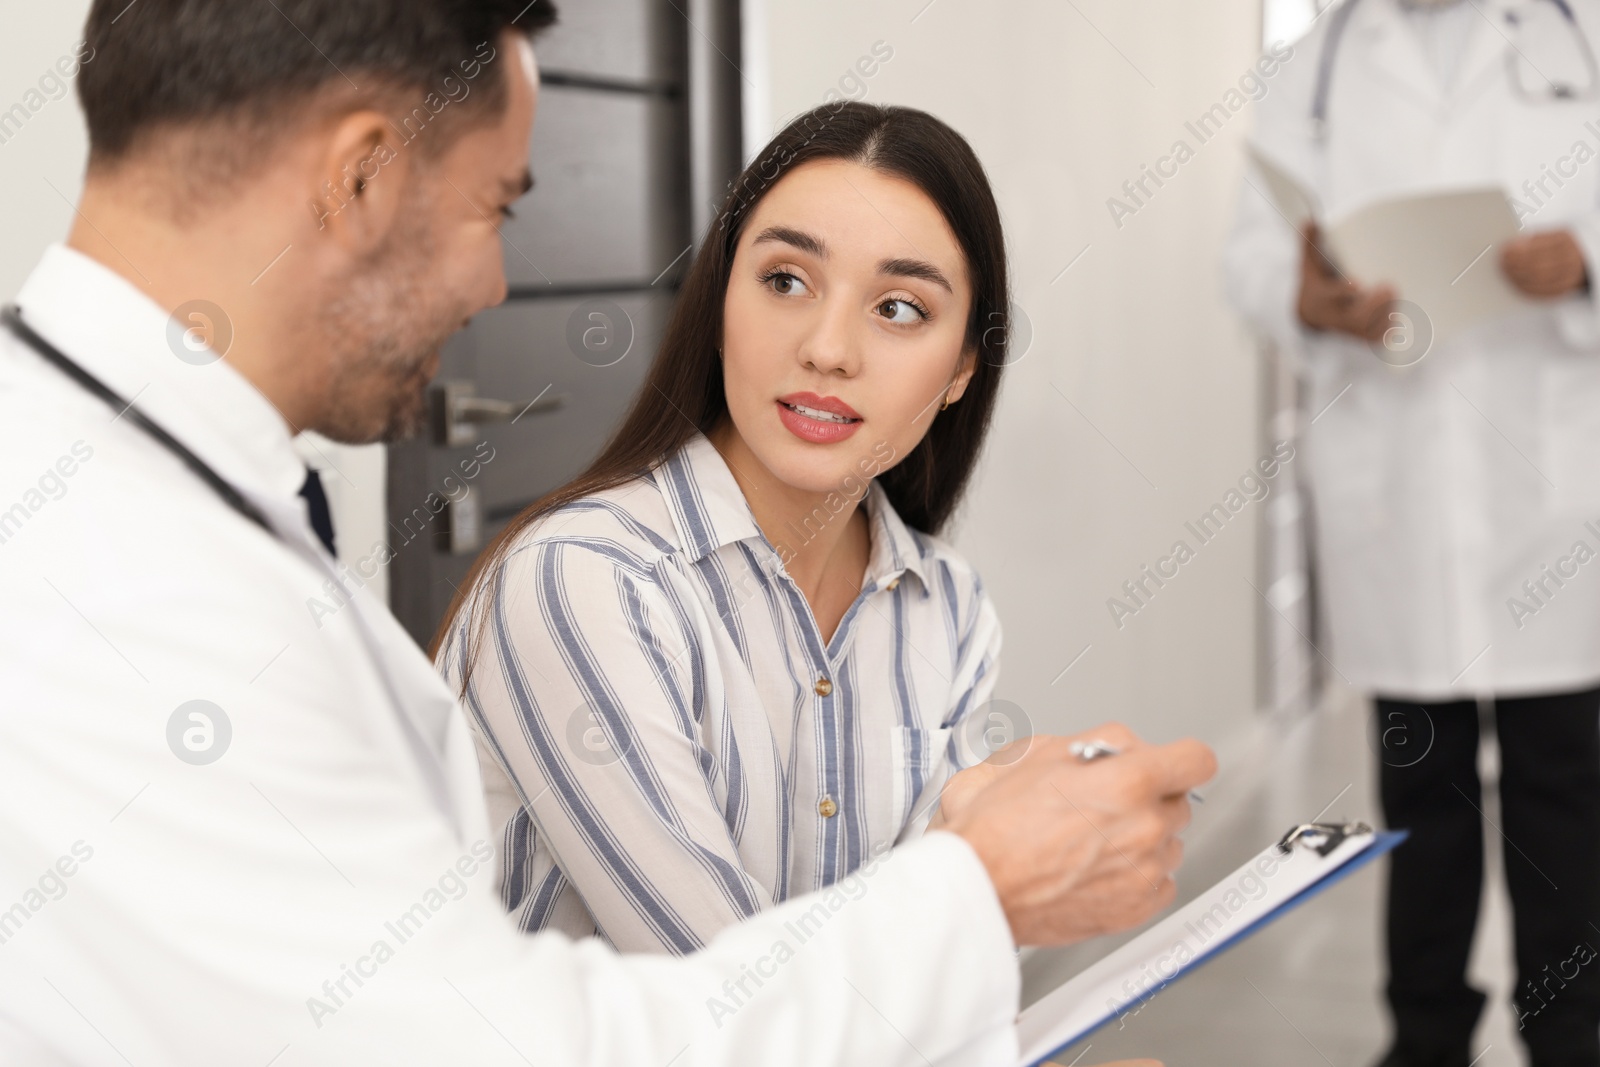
[900, 311]
[786, 284]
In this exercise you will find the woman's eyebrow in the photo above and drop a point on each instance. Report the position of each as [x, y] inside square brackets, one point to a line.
[796, 238]
[915, 268]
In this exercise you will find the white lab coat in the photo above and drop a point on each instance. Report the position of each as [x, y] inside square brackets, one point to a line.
[321, 893]
[1441, 488]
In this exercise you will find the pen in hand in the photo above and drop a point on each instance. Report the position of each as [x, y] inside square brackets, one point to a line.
[1089, 751]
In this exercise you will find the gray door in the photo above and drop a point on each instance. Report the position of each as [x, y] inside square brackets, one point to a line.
[636, 133]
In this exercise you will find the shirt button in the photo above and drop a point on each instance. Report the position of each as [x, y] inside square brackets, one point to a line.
[823, 687]
[828, 809]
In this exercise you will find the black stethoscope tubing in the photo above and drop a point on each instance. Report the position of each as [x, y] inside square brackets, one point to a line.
[11, 317]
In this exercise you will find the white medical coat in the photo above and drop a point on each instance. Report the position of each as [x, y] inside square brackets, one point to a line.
[320, 892]
[1444, 489]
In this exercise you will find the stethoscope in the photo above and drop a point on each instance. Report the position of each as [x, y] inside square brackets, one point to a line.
[12, 319]
[1553, 91]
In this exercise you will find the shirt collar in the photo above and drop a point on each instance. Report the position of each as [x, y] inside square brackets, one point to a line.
[117, 333]
[709, 511]
[895, 547]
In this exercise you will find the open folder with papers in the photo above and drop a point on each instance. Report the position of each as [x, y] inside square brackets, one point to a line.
[1305, 861]
[1439, 250]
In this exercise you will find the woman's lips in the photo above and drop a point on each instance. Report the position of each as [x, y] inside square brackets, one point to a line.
[824, 405]
[817, 419]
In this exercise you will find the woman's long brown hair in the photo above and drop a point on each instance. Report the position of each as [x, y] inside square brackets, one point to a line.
[682, 393]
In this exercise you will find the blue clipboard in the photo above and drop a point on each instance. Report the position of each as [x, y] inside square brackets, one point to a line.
[1383, 842]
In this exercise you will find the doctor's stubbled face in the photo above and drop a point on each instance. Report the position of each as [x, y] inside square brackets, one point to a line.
[386, 328]
[440, 264]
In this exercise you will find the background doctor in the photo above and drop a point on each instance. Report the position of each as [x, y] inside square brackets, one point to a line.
[1452, 493]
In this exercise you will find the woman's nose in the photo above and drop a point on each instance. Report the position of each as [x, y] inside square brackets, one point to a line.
[833, 345]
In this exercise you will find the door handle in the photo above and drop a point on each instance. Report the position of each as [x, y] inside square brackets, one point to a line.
[460, 528]
[456, 411]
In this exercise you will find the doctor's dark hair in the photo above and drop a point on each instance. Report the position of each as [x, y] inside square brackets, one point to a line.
[683, 393]
[255, 63]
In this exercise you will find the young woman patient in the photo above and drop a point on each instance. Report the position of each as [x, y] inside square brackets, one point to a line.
[728, 663]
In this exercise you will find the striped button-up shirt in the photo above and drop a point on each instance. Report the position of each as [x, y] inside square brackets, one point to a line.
[668, 743]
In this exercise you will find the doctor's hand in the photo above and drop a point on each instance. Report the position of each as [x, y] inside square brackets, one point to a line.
[1547, 264]
[964, 786]
[1079, 849]
[1330, 301]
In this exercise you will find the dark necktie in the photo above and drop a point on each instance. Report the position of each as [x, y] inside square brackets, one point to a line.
[317, 506]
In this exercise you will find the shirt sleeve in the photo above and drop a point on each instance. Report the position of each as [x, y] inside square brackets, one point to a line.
[588, 687]
[1261, 258]
[1261, 267]
[859, 973]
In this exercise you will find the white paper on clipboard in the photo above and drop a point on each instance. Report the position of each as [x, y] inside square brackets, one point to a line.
[1439, 250]
[1269, 886]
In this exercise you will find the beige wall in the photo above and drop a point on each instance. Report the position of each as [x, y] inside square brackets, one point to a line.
[49, 149]
[1063, 101]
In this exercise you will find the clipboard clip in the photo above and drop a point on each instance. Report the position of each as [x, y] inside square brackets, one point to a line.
[1321, 837]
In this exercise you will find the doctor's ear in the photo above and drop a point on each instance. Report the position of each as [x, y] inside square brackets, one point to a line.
[359, 182]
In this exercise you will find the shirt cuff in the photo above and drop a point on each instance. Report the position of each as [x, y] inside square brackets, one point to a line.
[989, 948]
[1578, 314]
[972, 880]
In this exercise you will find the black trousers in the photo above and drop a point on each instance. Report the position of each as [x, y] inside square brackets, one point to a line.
[1550, 833]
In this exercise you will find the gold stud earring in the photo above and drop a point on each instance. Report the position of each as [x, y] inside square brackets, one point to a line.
[946, 403]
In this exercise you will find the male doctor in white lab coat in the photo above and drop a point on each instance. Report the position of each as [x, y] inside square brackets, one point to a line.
[1456, 490]
[237, 829]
